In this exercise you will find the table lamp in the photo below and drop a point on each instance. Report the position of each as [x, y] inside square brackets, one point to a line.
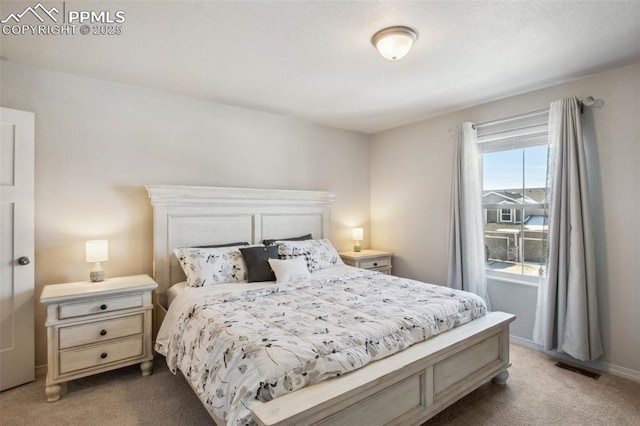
[358, 235]
[97, 251]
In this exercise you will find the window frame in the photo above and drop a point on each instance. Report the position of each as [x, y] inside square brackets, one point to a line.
[501, 215]
[508, 135]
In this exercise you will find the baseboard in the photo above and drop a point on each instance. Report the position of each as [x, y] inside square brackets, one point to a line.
[41, 370]
[603, 366]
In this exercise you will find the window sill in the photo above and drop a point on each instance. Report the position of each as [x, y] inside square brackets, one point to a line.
[531, 281]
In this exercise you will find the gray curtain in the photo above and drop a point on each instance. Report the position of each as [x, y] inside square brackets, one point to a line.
[466, 232]
[567, 316]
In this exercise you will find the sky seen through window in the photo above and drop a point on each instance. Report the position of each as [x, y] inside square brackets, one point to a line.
[514, 169]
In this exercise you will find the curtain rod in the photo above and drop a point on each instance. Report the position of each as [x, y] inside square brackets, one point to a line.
[587, 102]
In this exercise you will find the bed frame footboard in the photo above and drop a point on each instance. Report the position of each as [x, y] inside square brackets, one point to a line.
[407, 388]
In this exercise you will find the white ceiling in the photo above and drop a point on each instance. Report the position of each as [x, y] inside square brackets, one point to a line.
[314, 59]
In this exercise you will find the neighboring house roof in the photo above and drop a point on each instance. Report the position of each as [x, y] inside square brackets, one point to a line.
[536, 223]
[505, 197]
[532, 196]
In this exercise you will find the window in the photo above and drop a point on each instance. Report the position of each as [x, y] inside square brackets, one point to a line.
[505, 215]
[514, 171]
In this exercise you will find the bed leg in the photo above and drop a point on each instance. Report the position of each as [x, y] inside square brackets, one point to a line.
[501, 379]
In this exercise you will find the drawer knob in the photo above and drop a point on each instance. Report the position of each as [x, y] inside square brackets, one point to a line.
[103, 355]
[103, 332]
[375, 263]
[103, 307]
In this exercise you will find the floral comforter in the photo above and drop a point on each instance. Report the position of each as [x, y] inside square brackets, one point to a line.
[238, 349]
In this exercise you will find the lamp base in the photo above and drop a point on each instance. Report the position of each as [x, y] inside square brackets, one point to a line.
[357, 247]
[97, 273]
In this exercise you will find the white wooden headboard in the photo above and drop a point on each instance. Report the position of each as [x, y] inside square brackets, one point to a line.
[185, 216]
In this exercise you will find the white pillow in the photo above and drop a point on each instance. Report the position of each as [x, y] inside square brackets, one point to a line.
[290, 269]
[208, 266]
[319, 254]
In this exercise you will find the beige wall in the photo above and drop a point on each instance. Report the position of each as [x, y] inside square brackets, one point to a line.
[410, 196]
[99, 143]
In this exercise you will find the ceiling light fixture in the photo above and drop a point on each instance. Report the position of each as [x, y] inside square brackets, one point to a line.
[394, 43]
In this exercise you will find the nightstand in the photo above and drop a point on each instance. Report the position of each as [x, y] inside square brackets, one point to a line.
[97, 326]
[375, 260]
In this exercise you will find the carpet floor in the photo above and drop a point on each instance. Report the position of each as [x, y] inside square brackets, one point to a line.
[537, 393]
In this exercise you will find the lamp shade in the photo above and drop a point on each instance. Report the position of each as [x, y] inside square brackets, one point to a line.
[97, 250]
[358, 234]
[394, 43]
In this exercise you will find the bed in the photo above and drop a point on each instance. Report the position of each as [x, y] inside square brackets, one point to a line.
[407, 387]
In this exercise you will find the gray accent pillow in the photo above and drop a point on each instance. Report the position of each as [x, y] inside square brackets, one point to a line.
[241, 243]
[300, 238]
[257, 261]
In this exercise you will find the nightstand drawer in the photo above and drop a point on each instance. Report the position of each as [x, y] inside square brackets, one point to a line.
[71, 310]
[100, 331]
[100, 355]
[375, 263]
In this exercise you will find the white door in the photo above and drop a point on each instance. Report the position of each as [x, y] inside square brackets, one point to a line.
[17, 359]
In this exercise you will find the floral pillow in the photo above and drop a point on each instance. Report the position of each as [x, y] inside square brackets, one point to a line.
[319, 254]
[209, 266]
